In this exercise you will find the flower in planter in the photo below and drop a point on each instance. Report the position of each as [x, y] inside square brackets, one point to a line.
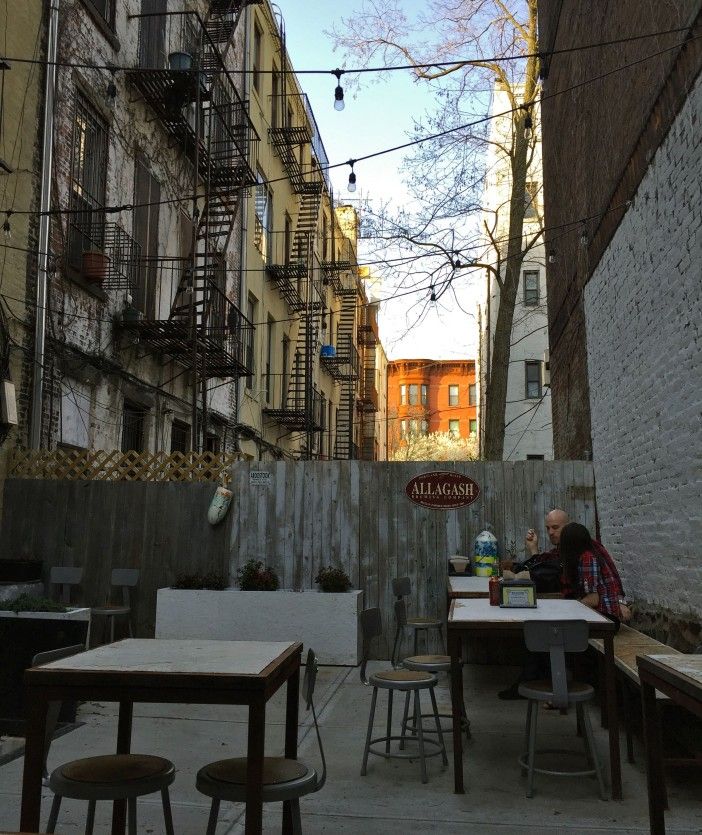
[332, 579]
[255, 576]
[28, 603]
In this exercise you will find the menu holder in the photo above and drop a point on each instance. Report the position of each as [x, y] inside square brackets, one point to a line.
[517, 594]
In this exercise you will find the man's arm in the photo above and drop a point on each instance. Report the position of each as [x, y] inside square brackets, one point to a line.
[532, 542]
[592, 600]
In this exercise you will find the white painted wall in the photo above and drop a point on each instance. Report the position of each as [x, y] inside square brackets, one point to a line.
[528, 428]
[643, 310]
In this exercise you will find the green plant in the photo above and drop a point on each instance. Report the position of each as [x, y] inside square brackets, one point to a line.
[333, 579]
[255, 576]
[29, 603]
[213, 580]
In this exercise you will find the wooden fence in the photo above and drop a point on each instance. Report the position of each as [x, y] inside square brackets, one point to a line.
[296, 516]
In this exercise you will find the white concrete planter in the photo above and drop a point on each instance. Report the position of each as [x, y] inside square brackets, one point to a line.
[324, 622]
[71, 614]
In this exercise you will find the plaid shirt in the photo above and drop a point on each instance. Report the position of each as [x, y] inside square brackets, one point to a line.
[595, 576]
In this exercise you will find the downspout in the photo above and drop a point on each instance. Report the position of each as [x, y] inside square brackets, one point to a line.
[243, 286]
[44, 228]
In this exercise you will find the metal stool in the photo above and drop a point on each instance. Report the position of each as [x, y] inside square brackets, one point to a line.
[283, 779]
[125, 578]
[401, 588]
[111, 777]
[557, 638]
[425, 664]
[406, 681]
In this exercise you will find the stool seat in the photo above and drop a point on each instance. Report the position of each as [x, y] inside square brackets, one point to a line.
[542, 691]
[112, 777]
[430, 663]
[110, 610]
[402, 679]
[424, 623]
[282, 779]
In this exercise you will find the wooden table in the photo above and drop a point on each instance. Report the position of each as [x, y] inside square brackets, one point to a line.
[175, 671]
[680, 678]
[477, 618]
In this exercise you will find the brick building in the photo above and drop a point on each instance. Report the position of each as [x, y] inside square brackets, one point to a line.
[624, 288]
[427, 396]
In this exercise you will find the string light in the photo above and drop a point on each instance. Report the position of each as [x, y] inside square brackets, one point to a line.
[6, 228]
[552, 256]
[352, 177]
[432, 297]
[584, 241]
[339, 92]
[528, 126]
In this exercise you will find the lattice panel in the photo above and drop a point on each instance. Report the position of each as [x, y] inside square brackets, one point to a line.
[100, 465]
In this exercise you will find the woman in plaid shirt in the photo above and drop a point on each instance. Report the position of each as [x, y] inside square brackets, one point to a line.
[587, 574]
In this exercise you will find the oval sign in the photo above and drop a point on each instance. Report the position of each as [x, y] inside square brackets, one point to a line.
[442, 489]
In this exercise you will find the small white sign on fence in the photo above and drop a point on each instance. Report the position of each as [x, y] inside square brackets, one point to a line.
[259, 477]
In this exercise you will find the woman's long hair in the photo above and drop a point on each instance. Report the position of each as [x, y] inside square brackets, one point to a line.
[575, 540]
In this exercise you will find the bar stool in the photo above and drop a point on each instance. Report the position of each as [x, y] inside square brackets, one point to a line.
[407, 681]
[126, 579]
[557, 638]
[112, 777]
[426, 664]
[401, 588]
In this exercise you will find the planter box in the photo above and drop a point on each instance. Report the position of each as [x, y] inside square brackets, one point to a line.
[326, 623]
[22, 636]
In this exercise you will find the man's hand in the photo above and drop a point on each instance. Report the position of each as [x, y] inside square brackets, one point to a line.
[624, 613]
[532, 542]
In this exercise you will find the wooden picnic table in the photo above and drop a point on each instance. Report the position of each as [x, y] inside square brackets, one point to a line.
[174, 671]
[680, 678]
[476, 618]
[467, 586]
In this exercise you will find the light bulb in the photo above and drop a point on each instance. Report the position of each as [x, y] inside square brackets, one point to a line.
[552, 257]
[352, 182]
[6, 228]
[528, 125]
[339, 98]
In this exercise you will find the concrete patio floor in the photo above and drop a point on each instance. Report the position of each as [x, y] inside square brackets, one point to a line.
[390, 800]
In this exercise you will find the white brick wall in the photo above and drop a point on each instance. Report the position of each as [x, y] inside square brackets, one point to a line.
[644, 320]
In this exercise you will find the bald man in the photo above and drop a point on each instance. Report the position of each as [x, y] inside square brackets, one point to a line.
[556, 520]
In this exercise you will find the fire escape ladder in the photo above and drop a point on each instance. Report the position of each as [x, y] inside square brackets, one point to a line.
[368, 397]
[347, 370]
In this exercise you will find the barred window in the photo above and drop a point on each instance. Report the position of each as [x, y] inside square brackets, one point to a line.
[105, 8]
[87, 181]
[531, 288]
[133, 424]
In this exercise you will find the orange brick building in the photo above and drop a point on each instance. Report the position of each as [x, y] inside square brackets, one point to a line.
[426, 396]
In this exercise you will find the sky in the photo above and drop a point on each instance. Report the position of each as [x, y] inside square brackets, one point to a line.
[377, 116]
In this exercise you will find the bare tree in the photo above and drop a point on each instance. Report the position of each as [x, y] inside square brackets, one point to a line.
[482, 45]
[437, 446]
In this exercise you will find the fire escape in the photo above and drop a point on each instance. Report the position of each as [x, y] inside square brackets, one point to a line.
[295, 277]
[368, 396]
[192, 317]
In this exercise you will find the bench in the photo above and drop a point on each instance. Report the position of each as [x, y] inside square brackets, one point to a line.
[628, 643]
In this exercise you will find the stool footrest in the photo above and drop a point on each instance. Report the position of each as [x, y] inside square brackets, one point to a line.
[403, 755]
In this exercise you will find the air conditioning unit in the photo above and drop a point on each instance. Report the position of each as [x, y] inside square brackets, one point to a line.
[546, 371]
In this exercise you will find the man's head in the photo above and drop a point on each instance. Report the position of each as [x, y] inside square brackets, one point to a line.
[556, 520]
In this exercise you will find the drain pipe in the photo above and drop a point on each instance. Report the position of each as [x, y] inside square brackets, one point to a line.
[44, 228]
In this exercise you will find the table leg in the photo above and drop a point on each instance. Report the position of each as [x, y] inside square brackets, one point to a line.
[455, 649]
[654, 762]
[612, 719]
[292, 706]
[33, 761]
[124, 746]
[254, 770]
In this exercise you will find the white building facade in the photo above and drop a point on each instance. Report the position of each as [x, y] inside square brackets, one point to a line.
[528, 432]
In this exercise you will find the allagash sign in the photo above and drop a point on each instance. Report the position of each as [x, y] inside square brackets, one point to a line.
[442, 490]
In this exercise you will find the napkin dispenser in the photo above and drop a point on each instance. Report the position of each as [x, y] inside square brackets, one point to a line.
[517, 594]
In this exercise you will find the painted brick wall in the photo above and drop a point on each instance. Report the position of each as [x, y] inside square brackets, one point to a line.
[643, 309]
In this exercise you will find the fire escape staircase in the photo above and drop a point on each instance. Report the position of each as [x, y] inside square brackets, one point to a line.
[347, 368]
[368, 396]
[204, 329]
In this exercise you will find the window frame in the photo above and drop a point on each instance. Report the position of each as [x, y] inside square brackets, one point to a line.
[531, 294]
[403, 394]
[180, 430]
[473, 432]
[453, 399]
[454, 423]
[472, 394]
[251, 308]
[138, 412]
[532, 365]
[257, 53]
[413, 394]
[424, 394]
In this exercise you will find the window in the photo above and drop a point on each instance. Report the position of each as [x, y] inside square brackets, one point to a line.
[257, 49]
[263, 227]
[414, 427]
[531, 288]
[133, 424]
[403, 395]
[403, 428]
[217, 316]
[152, 34]
[454, 428]
[473, 427]
[106, 10]
[76, 398]
[425, 394]
[414, 394]
[145, 222]
[535, 458]
[269, 359]
[530, 204]
[472, 394]
[287, 240]
[180, 436]
[325, 236]
[425, 427]
[285, 378]
[87, 182]
[532, 369]
[251, 306]
[453, 395]
[275, 97]
[213, 443]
